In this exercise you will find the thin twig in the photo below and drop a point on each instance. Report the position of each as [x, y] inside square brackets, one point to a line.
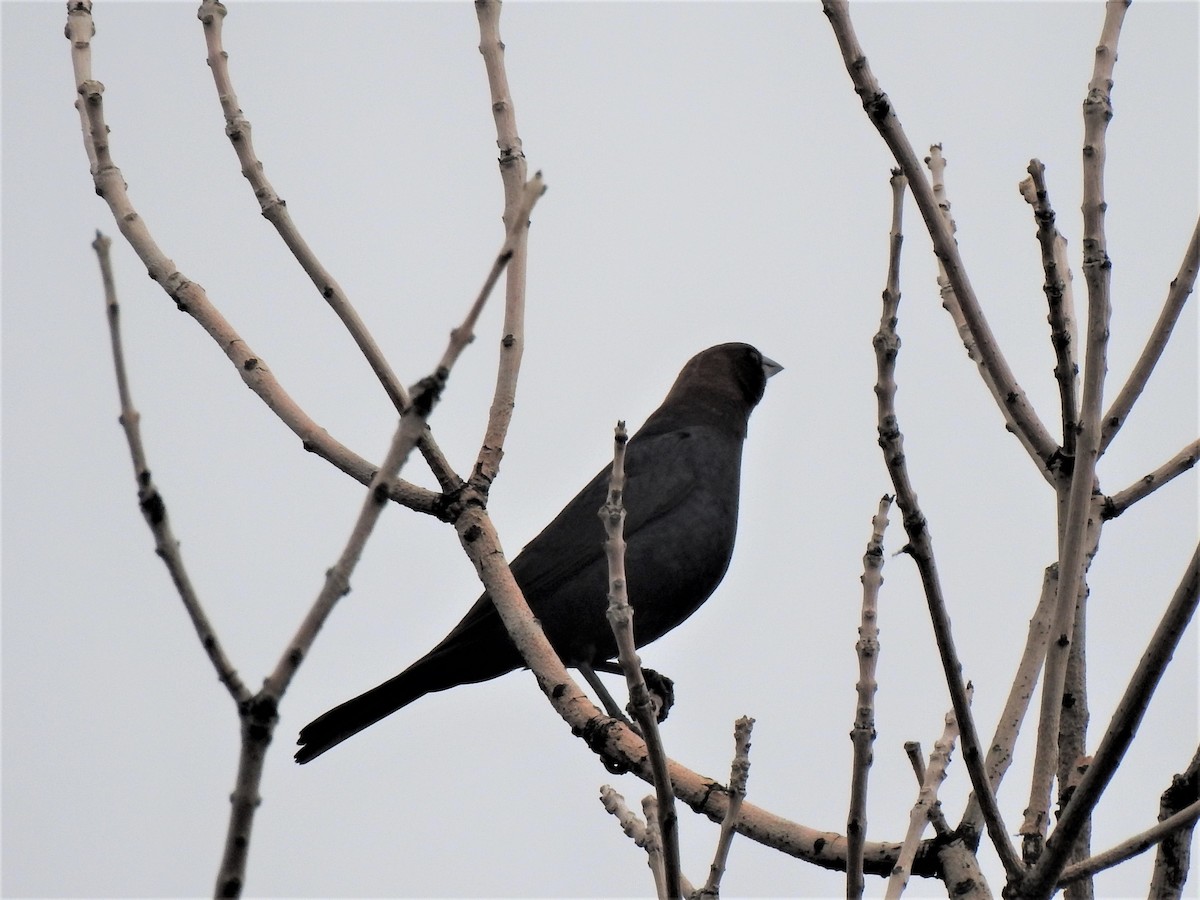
[150, 500]
[935, 774]
[620, 619]
[920, 547]
[513, 175]
[1177, 295]
[1120, 732]
[862, 734]
[739, 773]
[1057, 288]
[635, 830]
[1081, 499]
[1181, 462]
[237, 128]
[1008, 727]
[1133, 846]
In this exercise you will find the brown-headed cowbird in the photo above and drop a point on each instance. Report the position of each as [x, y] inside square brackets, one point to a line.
[683, 469]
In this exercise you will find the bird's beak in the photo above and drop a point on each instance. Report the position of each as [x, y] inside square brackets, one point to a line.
[770, 367]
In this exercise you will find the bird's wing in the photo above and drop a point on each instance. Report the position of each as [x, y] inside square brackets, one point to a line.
[660, 473]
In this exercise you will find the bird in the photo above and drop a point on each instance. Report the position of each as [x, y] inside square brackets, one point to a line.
[683, 473]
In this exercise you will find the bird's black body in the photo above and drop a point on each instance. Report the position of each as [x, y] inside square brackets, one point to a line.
[682, 471]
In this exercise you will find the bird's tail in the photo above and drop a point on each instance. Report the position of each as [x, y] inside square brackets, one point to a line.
[353, 716]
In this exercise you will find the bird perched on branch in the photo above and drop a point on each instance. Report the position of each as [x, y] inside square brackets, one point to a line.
[683, 471]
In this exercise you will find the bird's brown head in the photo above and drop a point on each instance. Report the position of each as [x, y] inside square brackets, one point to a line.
[718, 386]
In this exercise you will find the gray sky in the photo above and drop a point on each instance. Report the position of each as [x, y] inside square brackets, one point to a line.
[712, 177]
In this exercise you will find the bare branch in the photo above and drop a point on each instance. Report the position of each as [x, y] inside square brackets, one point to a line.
[237, 128]
[620, 619]
[935, 774]
[1173, 860]
[190, 296]
[920, 547]
[150, 500]
[862, 735]
[1057, 288]
[1181, 462]
[1009, 395]
[739, 773]
[635, 830]
[999, 754]
[1131, 847]
[1081, 498]
[937, 818]
[1180, 290]
[512, 174]
[1120, 732]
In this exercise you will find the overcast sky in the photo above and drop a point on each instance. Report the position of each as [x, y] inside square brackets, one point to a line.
[711, 178]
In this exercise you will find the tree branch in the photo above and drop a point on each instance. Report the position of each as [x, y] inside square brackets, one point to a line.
[1082, 502]
[620, 619]
[1008, 728]
[512, 174]
[1181, 462]
[237, 128]
[1177, 295]
[1120, 732]
[150, 500]
[1173, 859]
[935, 774]
[920, 547]
[1131, 847]
[997, 375]
[190, 296]
[739, 774]
[1057, 288]
[862, 734]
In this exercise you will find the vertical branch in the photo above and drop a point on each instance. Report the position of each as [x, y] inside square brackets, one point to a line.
[862, 735]
[1081, 499]
[1174, 856]
[920, 547]
[512, 174]
[620, 618]
[739, 774]
[1057, 288]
